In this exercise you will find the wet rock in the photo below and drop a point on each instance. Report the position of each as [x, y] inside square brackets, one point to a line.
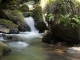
[27, 14]
[16, 17]
[40, 25]
[8, 26]
[11, 38]
[48, 38]
[24, 8]
[4, 49]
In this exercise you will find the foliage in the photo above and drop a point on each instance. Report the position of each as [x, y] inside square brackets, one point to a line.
[64, 12]
[50, 17]
[74, 21]
[65, 19]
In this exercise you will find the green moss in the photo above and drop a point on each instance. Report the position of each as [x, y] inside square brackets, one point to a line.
[7, 23]
[14, 15]
[37, 13]
[24, 8]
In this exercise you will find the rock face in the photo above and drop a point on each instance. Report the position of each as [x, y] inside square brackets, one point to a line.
[4, 49]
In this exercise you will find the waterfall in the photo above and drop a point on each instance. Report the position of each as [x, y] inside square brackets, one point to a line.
[33, 33]
[30, 22]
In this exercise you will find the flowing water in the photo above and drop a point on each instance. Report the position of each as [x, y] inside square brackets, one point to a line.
[33, 49]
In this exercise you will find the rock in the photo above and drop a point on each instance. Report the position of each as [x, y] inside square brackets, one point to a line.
[16, 17]
[24, 8]
[67, 34]
[8, 26]
[74, 50]
[48, 38]
[37, 13]
[4, 30]
[38, 18]
[40, 25]
[11, 38]
[4, 49]
[27, 14]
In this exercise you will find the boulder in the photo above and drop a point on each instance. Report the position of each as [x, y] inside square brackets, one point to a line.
[67, 34]
[11, 38]
[24, 8]
[4, 49]
[8, 26]
[41, 26]
[48, 37]
[16, 17]
[38, 18]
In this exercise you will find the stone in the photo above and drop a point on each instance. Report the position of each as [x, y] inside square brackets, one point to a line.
[4, 49]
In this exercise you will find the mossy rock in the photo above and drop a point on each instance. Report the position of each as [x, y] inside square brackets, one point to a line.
[4, 49]
[17, 17]
[37, 13]
[14, 15]
[24, 8]
[9, 24]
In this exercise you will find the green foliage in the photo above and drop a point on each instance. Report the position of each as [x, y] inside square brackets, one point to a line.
[74, 21]
[64, 18]
[50, 17]
[24, 8]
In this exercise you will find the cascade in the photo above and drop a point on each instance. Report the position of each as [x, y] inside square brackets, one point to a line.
[30, 22]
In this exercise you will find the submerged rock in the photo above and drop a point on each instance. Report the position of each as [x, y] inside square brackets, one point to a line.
[11, 38]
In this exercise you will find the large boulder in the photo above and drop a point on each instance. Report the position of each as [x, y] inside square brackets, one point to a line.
[38, 18]
[16, 17]
[4, 49]
[8, 26]
[68, 34]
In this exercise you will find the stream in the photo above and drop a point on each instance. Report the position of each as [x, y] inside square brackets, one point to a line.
[31, 48]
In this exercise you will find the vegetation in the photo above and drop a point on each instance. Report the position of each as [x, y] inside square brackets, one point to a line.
[62, 11]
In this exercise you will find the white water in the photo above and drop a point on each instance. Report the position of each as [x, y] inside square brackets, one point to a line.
[30, 22]
[18, 44]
